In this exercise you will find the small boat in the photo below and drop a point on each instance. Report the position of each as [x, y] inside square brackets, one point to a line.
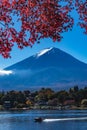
[38, 119]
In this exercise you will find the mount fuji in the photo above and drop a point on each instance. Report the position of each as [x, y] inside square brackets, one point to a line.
[50, 67]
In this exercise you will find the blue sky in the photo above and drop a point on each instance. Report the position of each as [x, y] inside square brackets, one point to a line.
[74, 42]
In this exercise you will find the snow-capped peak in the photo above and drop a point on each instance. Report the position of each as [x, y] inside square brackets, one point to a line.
[44, 51]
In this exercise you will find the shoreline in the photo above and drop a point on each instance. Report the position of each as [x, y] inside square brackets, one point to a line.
[45, 108]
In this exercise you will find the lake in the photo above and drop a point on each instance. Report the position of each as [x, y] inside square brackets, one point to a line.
[52, 120]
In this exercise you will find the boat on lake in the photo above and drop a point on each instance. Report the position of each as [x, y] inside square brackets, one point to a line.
[38, 119]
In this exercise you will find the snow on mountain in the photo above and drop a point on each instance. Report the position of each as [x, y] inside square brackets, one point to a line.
[43, 52]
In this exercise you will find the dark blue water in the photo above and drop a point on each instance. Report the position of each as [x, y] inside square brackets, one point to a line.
[53, 120]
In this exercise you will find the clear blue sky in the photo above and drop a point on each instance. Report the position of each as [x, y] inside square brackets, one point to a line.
[74, 42]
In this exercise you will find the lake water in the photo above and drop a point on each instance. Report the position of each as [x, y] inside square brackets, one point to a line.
[52, 120]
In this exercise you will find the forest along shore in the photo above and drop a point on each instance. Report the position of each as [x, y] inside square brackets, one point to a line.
[45, 98]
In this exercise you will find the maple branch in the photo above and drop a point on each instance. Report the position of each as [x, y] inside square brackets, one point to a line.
[42, 19]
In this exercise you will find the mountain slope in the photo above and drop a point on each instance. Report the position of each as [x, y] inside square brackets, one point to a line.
[49, 68]
[52, 58]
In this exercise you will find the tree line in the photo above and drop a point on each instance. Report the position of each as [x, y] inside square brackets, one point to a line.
[43, 97]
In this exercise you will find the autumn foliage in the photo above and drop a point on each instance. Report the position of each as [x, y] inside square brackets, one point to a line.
[37, 19]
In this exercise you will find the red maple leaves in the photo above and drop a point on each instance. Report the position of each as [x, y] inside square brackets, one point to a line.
[82, 10]
[39, 19]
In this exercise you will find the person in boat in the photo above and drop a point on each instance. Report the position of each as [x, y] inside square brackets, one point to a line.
[38, 119]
